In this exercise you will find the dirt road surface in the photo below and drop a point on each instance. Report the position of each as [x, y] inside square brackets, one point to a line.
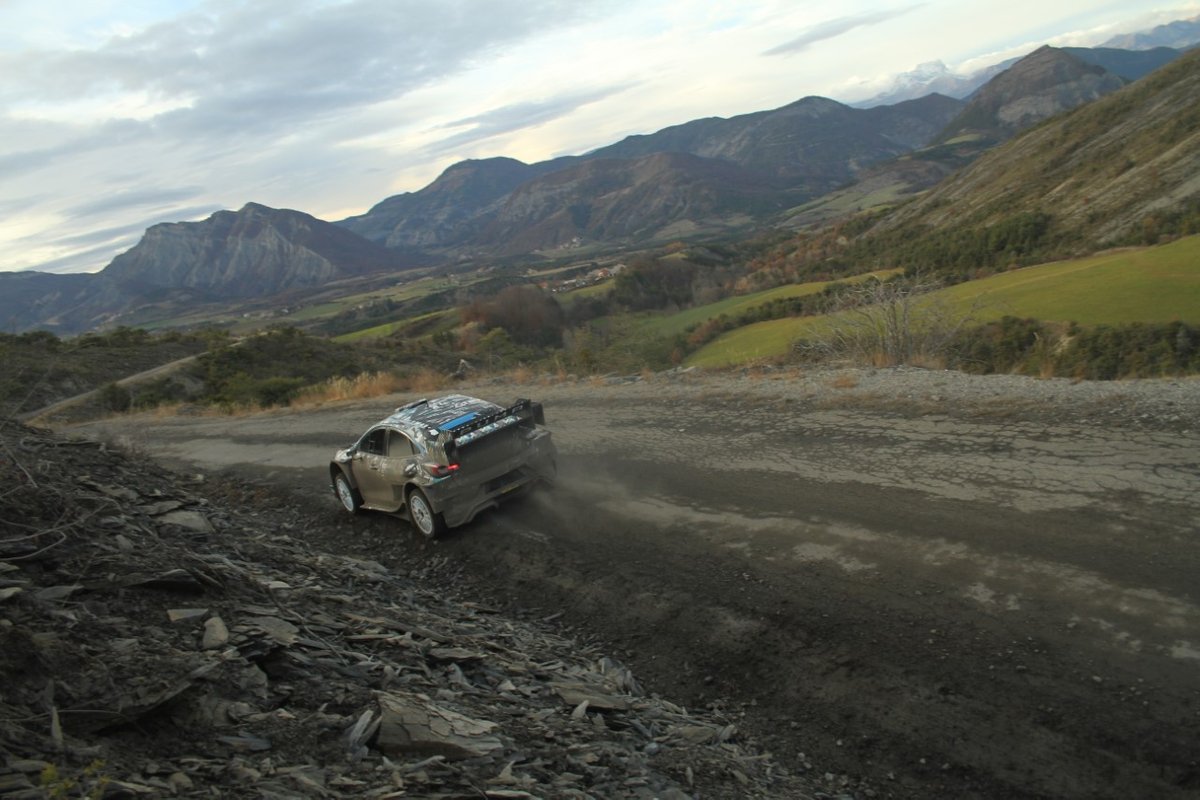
[936, 597]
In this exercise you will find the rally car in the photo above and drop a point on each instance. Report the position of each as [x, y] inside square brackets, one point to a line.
[442, 461]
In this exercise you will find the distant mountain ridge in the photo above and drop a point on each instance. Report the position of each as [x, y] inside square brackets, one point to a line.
[1119, 55]
[447, 211]
[933, 77]
[1180, 34]
[724, 169]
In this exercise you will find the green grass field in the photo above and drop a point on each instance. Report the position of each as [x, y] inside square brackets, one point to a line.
[595, 290]
[847, 201]
[1153, 284]
[679, 322]
[436, 321]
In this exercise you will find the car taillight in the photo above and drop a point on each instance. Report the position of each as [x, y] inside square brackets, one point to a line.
[441, 470]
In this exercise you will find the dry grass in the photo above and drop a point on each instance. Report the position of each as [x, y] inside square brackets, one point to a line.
[932, 361]
[423, 380]
[166, 410]
[366, 385]
[371, 384]
[844, 382]
[520, 374]
[756, 373]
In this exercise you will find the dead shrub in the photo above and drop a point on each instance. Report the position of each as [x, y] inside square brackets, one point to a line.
[426, 380]
[360, 387]
[520, 374]
[886, 323]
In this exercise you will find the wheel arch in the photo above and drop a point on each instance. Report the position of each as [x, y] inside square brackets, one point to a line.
[336, 469]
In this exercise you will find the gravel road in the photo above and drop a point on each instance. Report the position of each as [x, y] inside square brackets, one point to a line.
[907, 582]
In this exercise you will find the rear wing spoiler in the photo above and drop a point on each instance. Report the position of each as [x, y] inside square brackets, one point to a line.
[480, 426]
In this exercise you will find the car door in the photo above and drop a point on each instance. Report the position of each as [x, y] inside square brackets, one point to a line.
[368, 465]
[380, 468]
[401, 454]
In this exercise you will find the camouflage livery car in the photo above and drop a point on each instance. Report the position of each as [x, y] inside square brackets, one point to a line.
[442, 461]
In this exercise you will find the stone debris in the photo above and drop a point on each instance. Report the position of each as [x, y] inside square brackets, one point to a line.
[154, 643]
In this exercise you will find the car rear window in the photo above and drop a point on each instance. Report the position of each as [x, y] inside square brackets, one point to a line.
[399, 445]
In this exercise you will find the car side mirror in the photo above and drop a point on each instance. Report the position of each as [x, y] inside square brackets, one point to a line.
[410, 470]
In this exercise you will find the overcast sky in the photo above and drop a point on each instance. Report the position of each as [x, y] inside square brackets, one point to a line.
[117, 114]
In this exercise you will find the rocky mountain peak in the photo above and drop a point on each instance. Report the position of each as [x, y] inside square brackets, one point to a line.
[1044, 83]
[252, 252]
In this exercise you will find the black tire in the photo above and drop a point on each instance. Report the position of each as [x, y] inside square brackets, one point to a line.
[347, 495]
[423, 518]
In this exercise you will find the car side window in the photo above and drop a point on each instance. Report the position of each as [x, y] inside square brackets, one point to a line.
[399, 445]
[374, 442]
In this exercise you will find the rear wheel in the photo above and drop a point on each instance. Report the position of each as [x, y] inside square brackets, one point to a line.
[347, 495]
[422, 515]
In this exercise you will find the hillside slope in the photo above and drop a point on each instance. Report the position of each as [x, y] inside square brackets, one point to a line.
[1109, 172]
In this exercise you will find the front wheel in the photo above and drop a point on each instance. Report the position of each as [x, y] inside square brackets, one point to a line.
[347, 495]
[422, 515]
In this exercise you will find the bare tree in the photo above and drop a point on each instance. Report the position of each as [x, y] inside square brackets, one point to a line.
[888, 323]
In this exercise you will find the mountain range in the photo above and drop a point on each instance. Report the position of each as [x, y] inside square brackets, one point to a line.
[708, 174]
[706, 177]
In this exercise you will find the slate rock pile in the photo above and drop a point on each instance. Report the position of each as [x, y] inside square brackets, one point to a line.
[155, 643]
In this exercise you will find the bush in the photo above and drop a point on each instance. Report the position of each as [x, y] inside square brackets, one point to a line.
[530, 316]
[244, 390]
[1103, 352]
[114, 397]
[655, 283]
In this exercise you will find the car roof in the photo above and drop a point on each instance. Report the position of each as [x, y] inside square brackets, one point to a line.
[439, 411]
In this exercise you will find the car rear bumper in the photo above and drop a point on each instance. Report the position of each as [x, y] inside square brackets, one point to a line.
[460, 501]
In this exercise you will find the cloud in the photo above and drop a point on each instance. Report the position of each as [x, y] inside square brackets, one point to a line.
[133, 198]
[836, 27]
[132, 231]
[22, 162]
[93, 249]
[83, 261]
[69, 142]
[271, 62]
[519, 116]
[231, 101]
